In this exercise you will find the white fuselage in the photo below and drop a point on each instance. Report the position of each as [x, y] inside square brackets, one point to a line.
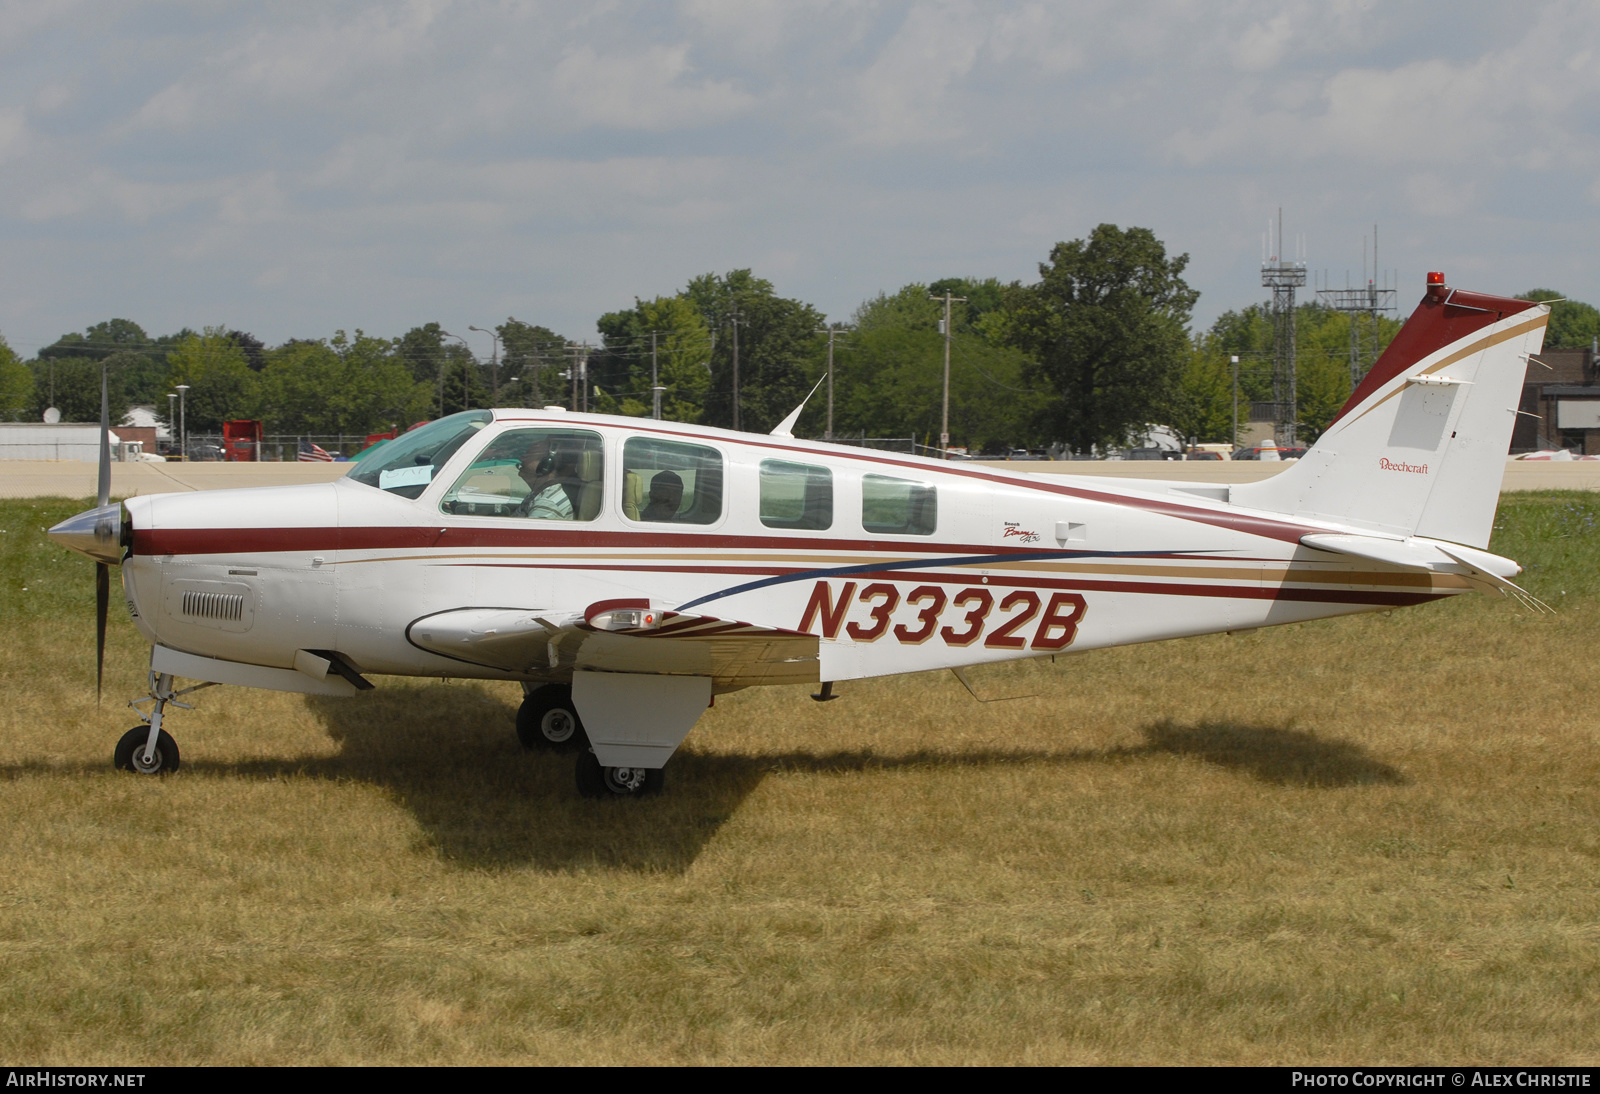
[1014, 566]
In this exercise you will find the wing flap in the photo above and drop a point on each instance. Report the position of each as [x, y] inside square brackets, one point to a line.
[617, 638]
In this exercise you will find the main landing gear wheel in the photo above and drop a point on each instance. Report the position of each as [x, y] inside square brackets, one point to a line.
[548, 720]
[129, 755]
[595, 781]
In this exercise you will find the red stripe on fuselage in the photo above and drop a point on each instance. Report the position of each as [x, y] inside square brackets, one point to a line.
[219, 541]
[1029, 581]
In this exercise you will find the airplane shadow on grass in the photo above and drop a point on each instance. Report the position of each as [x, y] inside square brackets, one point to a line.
[450, 756]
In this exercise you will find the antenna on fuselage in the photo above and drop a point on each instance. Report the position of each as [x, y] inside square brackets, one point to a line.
[785, 428]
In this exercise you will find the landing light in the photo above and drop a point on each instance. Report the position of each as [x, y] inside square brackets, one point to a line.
[625, 619]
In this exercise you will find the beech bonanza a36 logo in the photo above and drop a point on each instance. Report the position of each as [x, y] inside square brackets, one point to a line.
[1397, 465]
[966, 621]
[1014, 530]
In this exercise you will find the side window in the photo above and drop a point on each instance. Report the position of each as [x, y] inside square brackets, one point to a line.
[796, 495]
[534, 474]
[898, 506]
[671, 482]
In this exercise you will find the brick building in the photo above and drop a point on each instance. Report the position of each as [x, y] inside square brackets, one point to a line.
[1560, 403]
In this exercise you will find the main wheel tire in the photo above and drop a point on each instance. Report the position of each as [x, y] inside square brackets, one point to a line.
[129, 754]
[595, 781]
[548, 720]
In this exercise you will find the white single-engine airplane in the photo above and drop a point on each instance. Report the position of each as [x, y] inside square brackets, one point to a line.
[626, 571]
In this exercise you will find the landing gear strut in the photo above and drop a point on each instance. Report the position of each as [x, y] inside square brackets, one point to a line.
[595, 781]
[148, 749]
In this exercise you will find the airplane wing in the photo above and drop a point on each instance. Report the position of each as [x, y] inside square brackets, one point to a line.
[618, 636]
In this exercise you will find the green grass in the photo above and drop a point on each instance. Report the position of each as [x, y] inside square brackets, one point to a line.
[1362, 840]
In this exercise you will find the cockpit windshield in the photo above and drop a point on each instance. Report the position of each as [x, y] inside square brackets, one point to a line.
[407, 464]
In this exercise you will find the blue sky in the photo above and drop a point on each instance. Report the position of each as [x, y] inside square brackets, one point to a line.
[295, 168]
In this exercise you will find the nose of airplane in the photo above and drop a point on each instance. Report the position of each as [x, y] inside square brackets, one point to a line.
[96, 533]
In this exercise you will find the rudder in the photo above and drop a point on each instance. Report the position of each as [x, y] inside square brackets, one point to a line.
[1420, 447]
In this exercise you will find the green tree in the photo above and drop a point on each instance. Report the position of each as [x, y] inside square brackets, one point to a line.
[421, 349]
[74, 385]
[779, 356]
[1106, 327]
[101, 340]
[536, 356]
[889, 382]
[682, 348]
[1201, 405]
[16, 385]
[221, 385]
[889, 373]
[350, 386]
[462, 386]
[1573, 324]
[1322, 357]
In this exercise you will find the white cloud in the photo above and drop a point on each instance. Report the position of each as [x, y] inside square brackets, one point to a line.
[426, 157]
[651, 89]
[899, 97]
[13, 133]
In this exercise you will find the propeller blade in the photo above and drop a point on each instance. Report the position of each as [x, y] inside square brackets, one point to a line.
[102, 572]
[102, 603]
[105, 439]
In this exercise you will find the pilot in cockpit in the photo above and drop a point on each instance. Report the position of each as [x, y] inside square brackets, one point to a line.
[547, 474]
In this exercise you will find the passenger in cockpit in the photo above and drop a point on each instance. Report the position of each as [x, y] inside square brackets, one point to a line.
[666, 494]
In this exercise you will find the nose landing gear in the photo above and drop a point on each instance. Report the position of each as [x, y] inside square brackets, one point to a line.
[148, 749]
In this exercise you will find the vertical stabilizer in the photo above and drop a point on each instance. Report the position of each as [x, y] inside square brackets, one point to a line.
[1420, 448]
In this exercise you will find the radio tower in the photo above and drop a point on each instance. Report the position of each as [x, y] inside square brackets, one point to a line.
[1283, 278]
[1362, 304]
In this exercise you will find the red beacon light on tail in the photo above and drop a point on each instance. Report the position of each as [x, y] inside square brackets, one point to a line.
[1436, 285]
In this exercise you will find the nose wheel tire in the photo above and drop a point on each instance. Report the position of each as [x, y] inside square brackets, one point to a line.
[595, 781]
[548, 720]
[129, 755]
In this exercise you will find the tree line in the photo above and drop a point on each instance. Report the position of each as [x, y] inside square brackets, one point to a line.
[1087, 356]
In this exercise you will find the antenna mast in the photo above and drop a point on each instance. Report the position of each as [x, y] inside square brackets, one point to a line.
[1283, 277]
[1362, 306]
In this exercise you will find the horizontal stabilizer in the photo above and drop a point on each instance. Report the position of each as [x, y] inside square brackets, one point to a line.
[1483, 570]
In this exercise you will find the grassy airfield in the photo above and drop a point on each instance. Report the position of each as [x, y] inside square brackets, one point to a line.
[1356, 841]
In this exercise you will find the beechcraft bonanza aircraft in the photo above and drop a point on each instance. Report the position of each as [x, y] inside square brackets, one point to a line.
[626, 571]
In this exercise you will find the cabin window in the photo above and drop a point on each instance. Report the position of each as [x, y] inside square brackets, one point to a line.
[533, 474]
[671, 482]
[898, 506]
[407, 464]
[796, 495]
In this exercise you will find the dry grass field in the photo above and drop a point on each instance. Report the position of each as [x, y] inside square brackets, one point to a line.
[1356, 841]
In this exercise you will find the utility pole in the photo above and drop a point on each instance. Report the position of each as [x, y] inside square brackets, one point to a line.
[736, 364]
[580, 375]
[1234, 439]
[183, 418]
[466, 374]
[655, 381]
[944, 421]
[494, 365]
[538, 364]
[830, 332]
